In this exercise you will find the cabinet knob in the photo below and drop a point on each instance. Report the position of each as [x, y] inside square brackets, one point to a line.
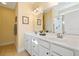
[33, 46]
[33, 39]
[47, 53]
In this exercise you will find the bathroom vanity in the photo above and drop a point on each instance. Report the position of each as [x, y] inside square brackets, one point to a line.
[50, 45]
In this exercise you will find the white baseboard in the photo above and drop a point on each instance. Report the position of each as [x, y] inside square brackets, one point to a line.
[2, 43]
[7, 42]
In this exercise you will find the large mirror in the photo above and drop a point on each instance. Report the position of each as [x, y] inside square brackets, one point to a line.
[48, 20]
[66, 21]
[71, 21]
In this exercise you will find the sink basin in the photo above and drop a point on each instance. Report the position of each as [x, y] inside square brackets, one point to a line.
[42, 34]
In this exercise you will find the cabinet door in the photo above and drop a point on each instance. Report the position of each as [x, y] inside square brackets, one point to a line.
[35, 45]
[30, 45]
[26, 44]
[76, 53]
[44, 43]
[54, 54]
[43, 51]
[34, 54]
[61, 50]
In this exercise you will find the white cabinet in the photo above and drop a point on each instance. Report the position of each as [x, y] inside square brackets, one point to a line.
[39, 47]
[43, 48]
[28, 43]
[30, 46]
[43, 51]
[44, 43]
[34, 54]
[35, 46]
[76, 53]
[25, 42]
[61, 50]
[52, 53]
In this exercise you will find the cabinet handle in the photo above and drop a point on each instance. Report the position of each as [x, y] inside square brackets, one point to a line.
[33, 46]
[47, 53]
[33, 39]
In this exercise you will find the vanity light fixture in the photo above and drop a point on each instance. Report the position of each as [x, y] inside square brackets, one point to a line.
[37, 11]
[4, 3]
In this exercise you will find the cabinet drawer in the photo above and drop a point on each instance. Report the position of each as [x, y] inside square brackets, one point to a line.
[53, 54]
[35, 47]
[34, 54]
[43, 51]
[61, 50]
[26, 45]
[76, 53]
[44, 43]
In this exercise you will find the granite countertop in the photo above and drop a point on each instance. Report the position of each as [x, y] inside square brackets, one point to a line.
[69, 41]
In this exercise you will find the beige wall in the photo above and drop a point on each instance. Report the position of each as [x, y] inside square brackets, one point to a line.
[25, 9]
[48, 20]
[7, 18]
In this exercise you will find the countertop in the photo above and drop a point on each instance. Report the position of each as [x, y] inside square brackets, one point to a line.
[69, 41]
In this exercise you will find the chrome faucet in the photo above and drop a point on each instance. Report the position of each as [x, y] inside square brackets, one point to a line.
[59, 35]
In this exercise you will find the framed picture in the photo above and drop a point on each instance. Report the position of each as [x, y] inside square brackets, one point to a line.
[38, 21]
[25, 20]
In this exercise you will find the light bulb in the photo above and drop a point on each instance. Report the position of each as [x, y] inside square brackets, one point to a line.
[4, 3]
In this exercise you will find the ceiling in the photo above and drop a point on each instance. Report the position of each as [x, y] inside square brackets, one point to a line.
[64, 5]
[41, 5]
[10, 5]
